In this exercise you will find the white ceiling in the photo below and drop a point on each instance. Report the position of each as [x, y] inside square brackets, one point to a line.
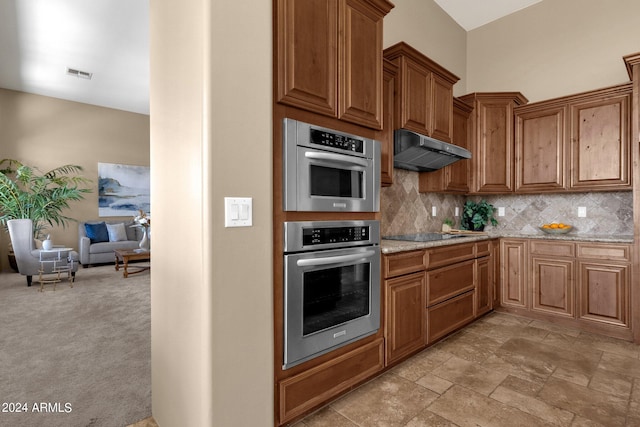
[470, 14]
[40, 39]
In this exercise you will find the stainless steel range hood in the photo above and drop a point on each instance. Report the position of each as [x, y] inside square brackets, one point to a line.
[415, 152]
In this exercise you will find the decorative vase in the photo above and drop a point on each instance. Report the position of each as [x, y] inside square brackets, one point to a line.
[47, 244]
[144, 242]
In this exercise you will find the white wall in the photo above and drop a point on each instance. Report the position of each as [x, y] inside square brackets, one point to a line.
[554, 48]
[211, 287]
[426, 27]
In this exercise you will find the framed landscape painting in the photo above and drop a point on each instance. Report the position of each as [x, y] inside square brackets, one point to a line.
[123, 190]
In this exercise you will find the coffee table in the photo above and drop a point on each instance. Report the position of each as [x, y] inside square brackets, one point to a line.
[126, 255]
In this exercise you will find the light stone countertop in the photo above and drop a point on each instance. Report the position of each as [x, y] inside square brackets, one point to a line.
[394, 246]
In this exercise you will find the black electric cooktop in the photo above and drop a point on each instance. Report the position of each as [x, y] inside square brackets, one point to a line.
[422, 237]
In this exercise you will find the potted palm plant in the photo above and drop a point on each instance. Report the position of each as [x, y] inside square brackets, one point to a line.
[476, 215]
[27, 193]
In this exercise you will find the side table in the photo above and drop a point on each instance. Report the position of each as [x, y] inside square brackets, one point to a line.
[53, 263]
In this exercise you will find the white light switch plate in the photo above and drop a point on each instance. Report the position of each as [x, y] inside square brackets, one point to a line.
[501, 211]
[582, 212]
[238, 211]
[434, 210]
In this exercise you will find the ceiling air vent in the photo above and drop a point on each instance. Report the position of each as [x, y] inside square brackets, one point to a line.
[79, 74]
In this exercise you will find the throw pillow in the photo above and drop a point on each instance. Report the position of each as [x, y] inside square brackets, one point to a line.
[97, 232]
[117, 233]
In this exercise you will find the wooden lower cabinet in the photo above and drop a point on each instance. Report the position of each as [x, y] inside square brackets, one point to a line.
[405, 326]
[431, 293]
[578, 284]
[513, 273]
[450, 315]
[446, 282]
[604, 293]
[484, 285]
[495, 279]
[553, 286]
[315, 386]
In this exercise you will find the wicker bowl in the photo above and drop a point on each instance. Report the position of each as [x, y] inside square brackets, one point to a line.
[556, 230]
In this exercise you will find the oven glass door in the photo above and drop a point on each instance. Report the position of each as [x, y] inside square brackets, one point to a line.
[331, 298]
[333, 181]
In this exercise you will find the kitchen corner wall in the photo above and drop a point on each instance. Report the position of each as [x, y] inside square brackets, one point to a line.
[406, 211]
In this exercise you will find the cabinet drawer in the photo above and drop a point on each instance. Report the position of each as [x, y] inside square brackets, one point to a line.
[403, 263]
[446, 282]
[450, 315]
[608, 251]
[483, 249]
[553, 248]
[445, 255]
[317, 385]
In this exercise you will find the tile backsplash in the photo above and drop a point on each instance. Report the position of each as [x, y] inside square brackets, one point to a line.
[406, 211]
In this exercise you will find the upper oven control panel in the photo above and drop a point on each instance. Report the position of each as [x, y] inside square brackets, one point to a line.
[322, 235]
[336, 140]
[314, 235]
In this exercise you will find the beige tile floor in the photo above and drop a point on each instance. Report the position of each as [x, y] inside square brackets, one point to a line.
[501, 371]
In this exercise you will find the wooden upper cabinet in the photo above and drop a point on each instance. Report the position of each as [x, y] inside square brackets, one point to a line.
[442, 104]
[385, 136]
[455, 177]
[329, 57]
[492, 140]
[540, 148]
[574, 143]
[307, 54]
[600, 150]
[424, 94]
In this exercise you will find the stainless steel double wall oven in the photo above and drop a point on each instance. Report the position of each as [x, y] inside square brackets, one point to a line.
[331, 268]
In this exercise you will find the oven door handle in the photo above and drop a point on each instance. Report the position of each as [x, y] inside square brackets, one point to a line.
[335, 259]
[340, 158]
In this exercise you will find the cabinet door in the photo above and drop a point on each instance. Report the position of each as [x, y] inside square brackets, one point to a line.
[540, 150]
[484, 285]
[457, 174]
[360, 53]
[600, 144]
[405, 323]
[604, 293]
[495, 279]
[493, 155]
[306, 33]
[553, 286]
[415, 108]
[441, 108]
[385, 136]
[513, 273]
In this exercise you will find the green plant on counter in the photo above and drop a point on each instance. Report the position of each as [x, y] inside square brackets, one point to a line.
[27, 193]
[476, 215]
[448, 221]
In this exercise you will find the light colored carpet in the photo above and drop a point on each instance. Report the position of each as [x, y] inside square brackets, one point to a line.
[83, 352]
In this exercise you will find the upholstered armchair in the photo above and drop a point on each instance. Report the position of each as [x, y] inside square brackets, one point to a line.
[27, 255]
